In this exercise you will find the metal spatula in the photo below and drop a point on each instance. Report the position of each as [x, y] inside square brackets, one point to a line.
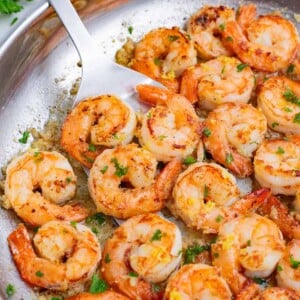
[99, 74]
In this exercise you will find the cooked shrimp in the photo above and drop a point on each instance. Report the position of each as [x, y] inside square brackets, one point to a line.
[163, 54]
[62, 255]
[49, 172]
[97, 122]
[205, 196]
[279, 214]
[205, 28]
[279, 100]
[268, 43]
[137, 166]
[197, 281]
[232, 132]
[254, 292]
[251, 243]
[171, 128]
[108, 295]
[220, 80]
[277, 165]
[288, 270]
[145, 249]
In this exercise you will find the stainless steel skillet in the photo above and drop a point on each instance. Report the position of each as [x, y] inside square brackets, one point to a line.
[38, 65]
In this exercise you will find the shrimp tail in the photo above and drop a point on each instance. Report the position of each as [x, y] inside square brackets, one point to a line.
[167, 178]
[251, 202]
[280, 215]
[246, 14]
[189, 85]
[152, 95]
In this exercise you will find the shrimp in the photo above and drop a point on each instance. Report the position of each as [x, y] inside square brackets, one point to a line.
[197, 281]
[232, 132]
[205, 28]
[144, 250]
[137, 166]
[279, 214]
[276, 165]
[171, 128]
[288, 271]
[163, 54]
[254, 292]
[268, 43]
[107, 295]
[206, 195]
[97, 122]
[220, 80]
[49, 172]
[62, 256]
[251, 243]
[279, 100]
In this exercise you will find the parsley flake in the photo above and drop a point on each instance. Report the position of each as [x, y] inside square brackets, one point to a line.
[14, 20]
[173, 38]
[98, 285]
[260, 281]
[104, 169]
[279, 268]
[156, 288]
[189, 160]
[107, 259]
[73, 224]
[92, 148]
[295, 264]
[290, 96]
[98, 218]
[279, 151]
[191, 253]
[290, 69]
[274, 124]
[206, 132]
[130, 29]
[10, 290]
[120, 170]
[219, 218]
[24, 138]
[228, 158]
[157, 235]
[297, 118]
[133, 274]
[157, 61]
[8, 7]
[206, 191]
[222, 27]
[241, 67]
[229, 39]
[39, 274]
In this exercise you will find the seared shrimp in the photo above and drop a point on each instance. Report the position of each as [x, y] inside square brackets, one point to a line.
[163, 54]
[205, 28]
[288, 270]
[97, 122]
[277, 165]
[137, 166]
[53, 175]
[251, 243]
[220, 80]
[62, 256]
[145, 249]
[232, 132]
[197, 281]
[279, 100]
[171, 128]
[279, 214]
[206, 195]
[254, 292]
[108, 295]
[267, 43]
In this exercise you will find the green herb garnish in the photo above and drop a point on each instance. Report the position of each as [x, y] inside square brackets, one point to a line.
[8, 7]
[157, 235]
[294, 263]
[107, 259]
[130, 29]
[98, 285]
[173, 38]
[133, 274]
[241, 67]
[24, 137]
[92, 148]
[99, 218]
[104, 169]
[191, 252]
[189, 160]
[120, 170]
[228, 158]
[39, 274]
[10, 290]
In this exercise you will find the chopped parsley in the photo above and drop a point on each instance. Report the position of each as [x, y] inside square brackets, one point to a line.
[157, 235]
[162, 137]
[99, 218]
[241, 67]
[95, 230]
[133, 274]
[173, 38]
[290, 96]
[24, 138]
[229, 39]
[189, 160]
[216, 254]
[73, 224]
[260, 281]
[279, 268]
[104, 169]
[92, 148]
[279, 151]
[297, 118]
[88, 159]
[120, 170]
[14, 20]
[191, 252]
[219, 218]
[107, 259]
[222, 27]
[156, 288]
[39, 274]
[130, 29]
[10, 290]
[206, 132]
[248, 243]
[69, 179]
[157, 61]
[98, 285]
[274, 124]
[8, 7]
[228, 158]
[206, 191]
[295, 264]
[290, 69]
[287, 109]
